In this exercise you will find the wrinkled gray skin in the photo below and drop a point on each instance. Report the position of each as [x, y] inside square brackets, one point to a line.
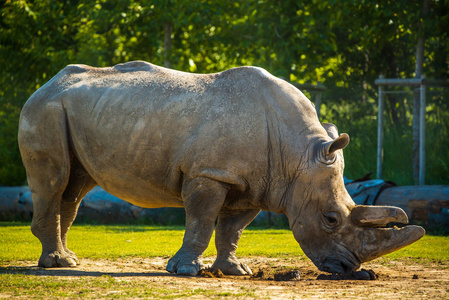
[224, 146]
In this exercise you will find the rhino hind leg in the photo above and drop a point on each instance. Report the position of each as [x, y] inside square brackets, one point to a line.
[80, 183]
[45, 154]
[203, 199]
[227, 235]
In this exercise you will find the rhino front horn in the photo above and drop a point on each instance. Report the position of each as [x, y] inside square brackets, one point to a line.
[381, 241]
[377, 216]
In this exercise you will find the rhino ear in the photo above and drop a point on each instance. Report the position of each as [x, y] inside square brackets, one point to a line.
[338, 143]
[331, 130]
[328, 148]
[326, 155]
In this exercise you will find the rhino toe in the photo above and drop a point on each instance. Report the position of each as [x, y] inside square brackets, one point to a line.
[182, 264]
[188, 270]
[247, 269]
[231, 266]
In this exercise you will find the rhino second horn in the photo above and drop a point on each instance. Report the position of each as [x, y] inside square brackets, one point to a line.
[377, 216]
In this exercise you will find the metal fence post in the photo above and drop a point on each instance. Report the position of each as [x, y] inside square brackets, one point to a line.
[380, 130]
[422, 132]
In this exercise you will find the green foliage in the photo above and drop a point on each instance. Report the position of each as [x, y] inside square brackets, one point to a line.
[361, 153]
[343, 44]
[11, 170]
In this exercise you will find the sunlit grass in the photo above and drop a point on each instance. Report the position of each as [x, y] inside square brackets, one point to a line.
[118, 241]
[32, 286]
[115, 241]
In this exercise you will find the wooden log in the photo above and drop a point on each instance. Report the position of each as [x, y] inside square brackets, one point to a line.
[423, 204]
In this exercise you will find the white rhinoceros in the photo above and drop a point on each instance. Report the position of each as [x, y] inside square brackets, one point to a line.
[224, 146]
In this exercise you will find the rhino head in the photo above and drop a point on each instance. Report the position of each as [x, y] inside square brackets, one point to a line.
[334, 232]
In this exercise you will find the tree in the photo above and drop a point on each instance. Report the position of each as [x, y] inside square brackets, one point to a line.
[343, 44]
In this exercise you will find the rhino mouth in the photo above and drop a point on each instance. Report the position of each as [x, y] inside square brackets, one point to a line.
[340, 263]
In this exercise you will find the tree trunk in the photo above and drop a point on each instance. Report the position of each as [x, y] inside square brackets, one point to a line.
[168, 30]
[391, 72]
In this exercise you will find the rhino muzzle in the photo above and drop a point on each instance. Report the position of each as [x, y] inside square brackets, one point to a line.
[337, 265]
[366, 238]
[342, 262]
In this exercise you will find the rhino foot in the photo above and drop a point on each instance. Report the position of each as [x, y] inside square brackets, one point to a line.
[184, 264]
[73, 256]
[56, 259]
[231, 266]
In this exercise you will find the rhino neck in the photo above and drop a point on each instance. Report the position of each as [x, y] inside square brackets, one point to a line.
[298, 199]
[292, 133]
[275, 199]
[282, 166]
[305, 187]
[290, 156]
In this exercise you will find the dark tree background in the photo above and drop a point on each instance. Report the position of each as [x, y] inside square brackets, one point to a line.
[344, 45]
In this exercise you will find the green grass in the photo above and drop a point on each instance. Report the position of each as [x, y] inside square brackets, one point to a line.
[30, 286]
[117, 241]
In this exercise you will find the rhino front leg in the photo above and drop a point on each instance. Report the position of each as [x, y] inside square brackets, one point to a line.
[227, 235]
[203, 199]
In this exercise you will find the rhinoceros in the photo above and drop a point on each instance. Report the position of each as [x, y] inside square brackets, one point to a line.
[224, 146]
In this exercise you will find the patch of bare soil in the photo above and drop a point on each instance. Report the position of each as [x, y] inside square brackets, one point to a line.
[275, 278]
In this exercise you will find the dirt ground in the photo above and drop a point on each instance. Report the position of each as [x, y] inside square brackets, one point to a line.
[395, 279]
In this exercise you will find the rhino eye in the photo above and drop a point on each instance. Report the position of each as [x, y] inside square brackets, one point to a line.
[330, 219]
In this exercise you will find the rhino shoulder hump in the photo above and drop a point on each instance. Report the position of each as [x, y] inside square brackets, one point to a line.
[75, 69]
[134, 66]
[246, 71]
